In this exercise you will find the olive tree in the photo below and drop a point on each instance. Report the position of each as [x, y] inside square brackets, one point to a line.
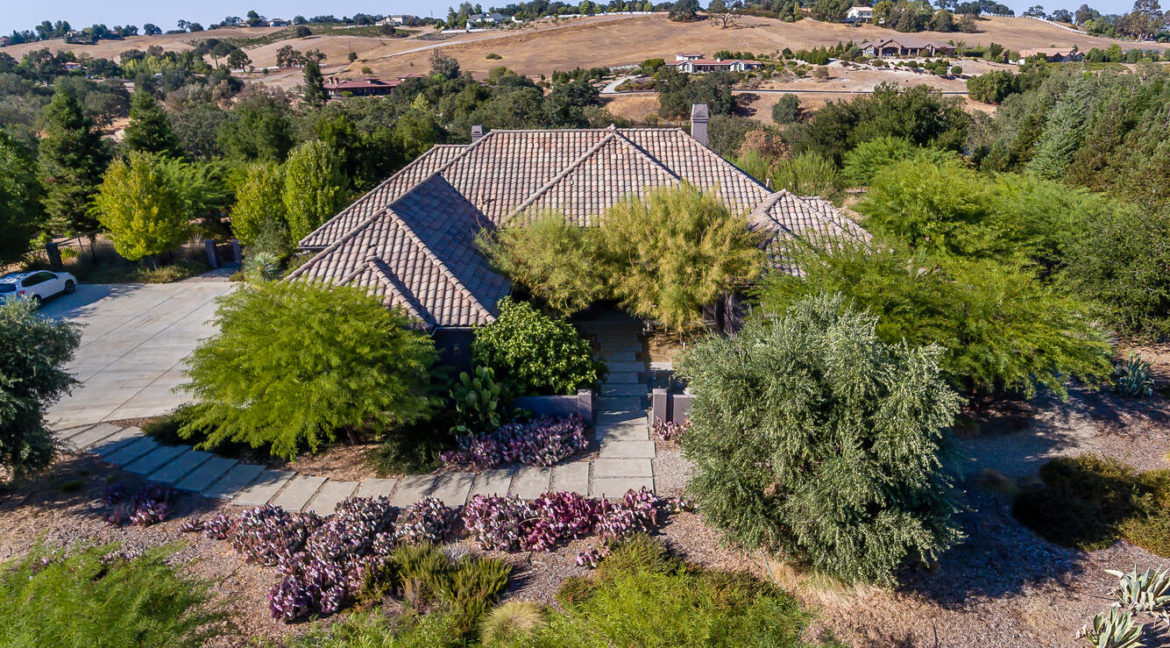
[813, 438]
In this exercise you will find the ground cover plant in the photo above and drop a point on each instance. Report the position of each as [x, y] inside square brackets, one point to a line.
[543, 441]
[642, 595]
[813, 438]
[333, 359]
[1089, 503]
[144, 506]
[32, 352]
[96, 596]
[360, 553]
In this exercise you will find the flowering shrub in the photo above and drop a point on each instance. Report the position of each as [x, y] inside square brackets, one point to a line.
[669, 430]
[540, 442]
[150, 505]
[427, 520]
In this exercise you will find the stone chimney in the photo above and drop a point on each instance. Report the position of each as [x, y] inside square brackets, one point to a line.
[476, 133]
[699, 119]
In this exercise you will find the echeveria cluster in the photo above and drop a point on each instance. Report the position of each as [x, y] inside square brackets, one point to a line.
[541, 442]
[669, 430]
[509, 523]
[149, 505]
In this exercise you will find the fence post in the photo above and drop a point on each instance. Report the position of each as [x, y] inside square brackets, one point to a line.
[54, 255]
[585, 405]
[237, 253]
[212, 257]
[658, 405]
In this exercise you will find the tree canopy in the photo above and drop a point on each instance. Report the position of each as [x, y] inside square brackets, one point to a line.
[72, 159]
[20, 209]
[144, 206]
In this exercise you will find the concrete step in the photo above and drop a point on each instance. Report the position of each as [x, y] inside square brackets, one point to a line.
[621, 417]
[297, 493]
[630, 431]
[495, 481]
[411, 489]
[83, 439]
[155, 459]
[180, 466]
[607, 467]
[572, 477]
[624, 356]
[624, 390]
[622, 378]
[131, 451]
[621, 367]
[115, 442]
[331, 493]
[206, 474]
[453, 488]
[531, 482]
[235, 480]
[627, 449]
[376, 487]
[612, 488]
[263, 488]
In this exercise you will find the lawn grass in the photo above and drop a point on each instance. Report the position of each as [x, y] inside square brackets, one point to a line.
[1089, 503]
[94, 599]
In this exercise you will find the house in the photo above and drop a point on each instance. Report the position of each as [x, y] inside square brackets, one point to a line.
[71, 66]
[1052, 54]
[715, 65]
[859, 15]
[904, 46]
[396, 19]
[411, 240]
[367, 87]
[486, 19]
[688, 56]
[4, 40]
[278, 22]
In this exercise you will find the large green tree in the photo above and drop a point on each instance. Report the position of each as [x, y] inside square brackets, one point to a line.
[333, 359]
[258, 200]
[149, 129]
[32, 352]
[144, 207]
[676, 251]
[812, 437]
[72, 158]
[20, 208]
[314, 89]
[314, 187]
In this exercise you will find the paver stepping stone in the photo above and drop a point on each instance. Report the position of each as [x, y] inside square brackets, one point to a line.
[206, 474]
[627, 449]
[183, 464]
[609, 348]
[616, 487]
[262, 488]
[376, 487]
[132, 451]
[572, 477]
[86, 438]
[298, 492]
[155, 459]
[329, 496]
[616, 432]
[234, 481]
[452, 488]
[411, 489]
[115, 442]
[624, 356]
[621, 367]
[622, 378]
[495, 481]
[610, 389]
[620, 405]
[622, 468]
[531, 482]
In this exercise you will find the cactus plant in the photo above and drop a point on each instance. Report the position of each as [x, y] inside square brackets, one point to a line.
[1133, 379]
[479, 401]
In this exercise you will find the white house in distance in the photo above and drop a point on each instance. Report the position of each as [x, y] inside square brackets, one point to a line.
[859, 15]
[486, 19]
[692, 62]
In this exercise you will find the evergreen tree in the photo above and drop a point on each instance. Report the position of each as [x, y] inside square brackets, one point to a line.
[20, 209]
[314, 84]
[143, 206]
[149, 130]
[72, 159]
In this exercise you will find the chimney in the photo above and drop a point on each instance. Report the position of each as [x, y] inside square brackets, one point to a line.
[476, 133]
[699, 119]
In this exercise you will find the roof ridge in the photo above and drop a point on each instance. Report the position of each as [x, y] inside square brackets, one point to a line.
[336, 244]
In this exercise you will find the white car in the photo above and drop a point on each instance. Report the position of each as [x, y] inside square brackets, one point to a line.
[37, 285]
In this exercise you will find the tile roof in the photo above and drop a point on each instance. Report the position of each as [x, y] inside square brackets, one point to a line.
[410, 241]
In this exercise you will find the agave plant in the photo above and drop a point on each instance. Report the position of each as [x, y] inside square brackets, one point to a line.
[1132, 379]
[262, 266]
[1113, 629]
[1147, 591]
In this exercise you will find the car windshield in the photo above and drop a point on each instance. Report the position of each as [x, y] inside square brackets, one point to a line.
[7, 287]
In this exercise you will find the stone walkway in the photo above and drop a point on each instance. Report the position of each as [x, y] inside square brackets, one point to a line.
[623, 463]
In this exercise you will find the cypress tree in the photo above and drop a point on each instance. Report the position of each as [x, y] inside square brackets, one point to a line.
[20, 210]
[149, 130]
[314, 84]
[72, 159]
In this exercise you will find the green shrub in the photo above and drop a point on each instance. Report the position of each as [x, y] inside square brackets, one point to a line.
[811, 436]
[555, 261]
[414, 448]
[262, 266]
[510, 622]
[1133, 378]
[32, 351]
[1089, 503]
[295, 362]
[868, 158]
[94, 599]
[534, 353]
[787, 109]
[808, 174]
[667, 603]
[1002, 330]
[374, 629]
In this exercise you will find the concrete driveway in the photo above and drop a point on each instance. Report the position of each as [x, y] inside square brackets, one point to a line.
[134, 339]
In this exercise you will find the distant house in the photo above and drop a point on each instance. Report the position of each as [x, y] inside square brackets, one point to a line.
[688, 56]
[486, 19]
[396, 19]
[904, 46]
[278, 22]
[715, 65]
[71, 66]
[859, 15]
[367, 87]
[4, 40]
[1052, 54]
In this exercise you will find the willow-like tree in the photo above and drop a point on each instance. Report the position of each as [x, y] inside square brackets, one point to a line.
[675, 252]
[144, 206]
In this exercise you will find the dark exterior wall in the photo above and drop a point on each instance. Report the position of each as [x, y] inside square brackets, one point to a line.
[454, 346]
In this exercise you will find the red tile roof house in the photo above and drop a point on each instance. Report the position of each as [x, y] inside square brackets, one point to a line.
[410, 241]
[359, 87]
